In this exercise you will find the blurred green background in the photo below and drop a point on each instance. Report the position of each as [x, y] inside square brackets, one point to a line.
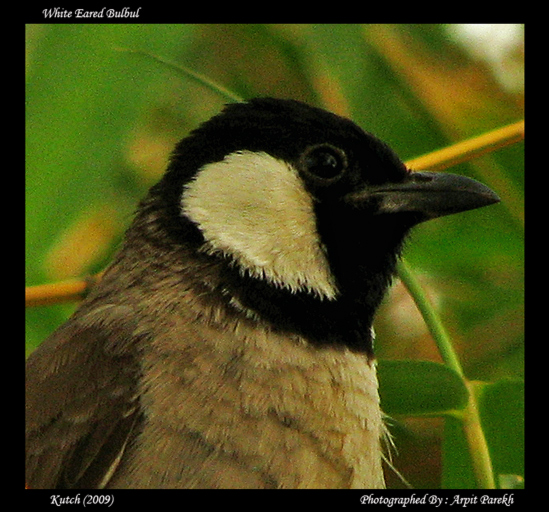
[101, 122]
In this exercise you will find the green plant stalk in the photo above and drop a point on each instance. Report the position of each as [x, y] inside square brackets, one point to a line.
[431, 318]
[188, 73]
[470, 417]
[478, 447]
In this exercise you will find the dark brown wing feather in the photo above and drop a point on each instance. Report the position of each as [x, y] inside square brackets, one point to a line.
[81, 399]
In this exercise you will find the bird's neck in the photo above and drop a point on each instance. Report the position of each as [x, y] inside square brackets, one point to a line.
[271, 410]
[239, 400]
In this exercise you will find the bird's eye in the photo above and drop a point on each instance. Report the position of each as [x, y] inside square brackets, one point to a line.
[324, 163]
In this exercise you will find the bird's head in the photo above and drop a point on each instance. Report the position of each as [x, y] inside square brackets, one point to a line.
[305, 211]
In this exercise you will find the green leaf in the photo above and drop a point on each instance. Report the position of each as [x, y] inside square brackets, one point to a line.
[420, 388]
[457, 465]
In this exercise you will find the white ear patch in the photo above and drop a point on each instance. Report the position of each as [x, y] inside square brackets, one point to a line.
[255, 209]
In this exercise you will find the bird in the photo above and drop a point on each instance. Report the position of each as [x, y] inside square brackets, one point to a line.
[229, 344]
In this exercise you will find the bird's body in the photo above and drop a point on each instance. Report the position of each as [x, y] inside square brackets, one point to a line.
[229, 344]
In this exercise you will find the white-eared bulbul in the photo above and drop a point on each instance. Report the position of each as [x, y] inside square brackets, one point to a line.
[229, 344]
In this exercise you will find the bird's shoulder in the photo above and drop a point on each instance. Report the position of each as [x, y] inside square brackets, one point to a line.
[81, 398]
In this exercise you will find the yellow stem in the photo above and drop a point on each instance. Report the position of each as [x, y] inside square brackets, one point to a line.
[53, 293]
[469, 149]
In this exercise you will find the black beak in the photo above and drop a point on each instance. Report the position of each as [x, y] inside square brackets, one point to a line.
[428, 194]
